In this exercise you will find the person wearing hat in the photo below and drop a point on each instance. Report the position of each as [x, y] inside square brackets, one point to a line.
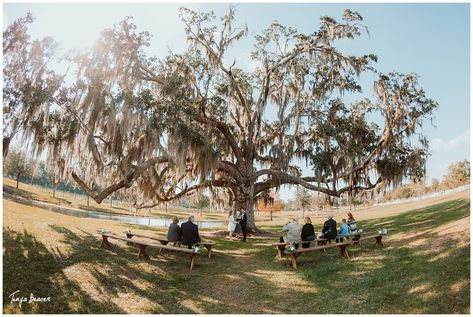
[329, 230]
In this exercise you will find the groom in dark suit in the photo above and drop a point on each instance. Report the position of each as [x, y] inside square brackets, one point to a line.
[243, 223]
[189, 233]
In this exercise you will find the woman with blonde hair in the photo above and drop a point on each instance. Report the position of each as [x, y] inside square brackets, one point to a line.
[174, 232]
[308, 233]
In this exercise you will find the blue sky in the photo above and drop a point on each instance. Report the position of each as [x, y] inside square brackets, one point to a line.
[432, 40]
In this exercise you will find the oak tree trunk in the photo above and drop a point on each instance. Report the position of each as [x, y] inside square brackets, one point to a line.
[244, 200]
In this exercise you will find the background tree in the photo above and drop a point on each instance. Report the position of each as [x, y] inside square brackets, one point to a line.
[203, 202]
[192, 120]
[17, 165]
[303, 199]
[270, 202]
[435, 185]
[458, 174]
[52, 173]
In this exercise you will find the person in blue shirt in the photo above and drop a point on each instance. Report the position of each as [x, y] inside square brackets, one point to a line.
[344, 230]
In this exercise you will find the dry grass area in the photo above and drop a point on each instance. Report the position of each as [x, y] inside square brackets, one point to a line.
[424, 268]
[366, 213]
[80, 202]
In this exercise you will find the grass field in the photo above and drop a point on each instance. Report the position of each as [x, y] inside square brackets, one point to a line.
[424, 268]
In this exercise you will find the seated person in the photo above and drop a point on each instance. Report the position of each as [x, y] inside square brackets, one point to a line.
[307, 233]
[329, 230]
[352, 223]
[344, 230]
[189, 233]
[293, 233]
[174, 232]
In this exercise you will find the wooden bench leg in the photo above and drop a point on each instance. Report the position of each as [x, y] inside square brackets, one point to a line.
[192, 261]
[293, 260]
[319, 243]
[279, 251]
[209, 249]
[378, 241]
[163, 243]
[343, 250]
[105, 242]
[142, 252]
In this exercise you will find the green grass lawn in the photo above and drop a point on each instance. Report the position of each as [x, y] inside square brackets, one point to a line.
[414, 273]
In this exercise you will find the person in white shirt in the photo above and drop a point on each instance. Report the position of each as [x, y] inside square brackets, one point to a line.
[293, 233]
[231, 224]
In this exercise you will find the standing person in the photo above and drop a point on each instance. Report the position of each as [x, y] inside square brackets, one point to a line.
[174, 232]
[243, 222]
[352, 223]
[189, 233]
[293, 233]
[329, 230]
[308, 233]
[237, 218]
[231, 225]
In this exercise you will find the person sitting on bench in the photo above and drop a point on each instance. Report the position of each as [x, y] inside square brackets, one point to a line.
[329, 230]
[344, 231]
[308, 233]
[174, 232]
[293, 233]
[189, 233]
[352, 223]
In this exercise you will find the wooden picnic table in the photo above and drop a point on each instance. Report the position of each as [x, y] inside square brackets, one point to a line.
[143, 245]
[280, 246]
[207, 244]
[343, 246]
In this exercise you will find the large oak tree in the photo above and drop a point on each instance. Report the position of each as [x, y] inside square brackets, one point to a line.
[194, 120]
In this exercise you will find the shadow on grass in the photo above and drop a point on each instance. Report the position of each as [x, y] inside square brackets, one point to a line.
[28, 266]
[163, 282]
[32, 268]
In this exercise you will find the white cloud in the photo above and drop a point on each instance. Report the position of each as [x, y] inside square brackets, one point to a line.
[461, 140]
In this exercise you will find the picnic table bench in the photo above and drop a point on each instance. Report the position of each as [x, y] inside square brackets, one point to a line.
[207, 244]
[142, 245]
[280, 246]
[343, 246]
